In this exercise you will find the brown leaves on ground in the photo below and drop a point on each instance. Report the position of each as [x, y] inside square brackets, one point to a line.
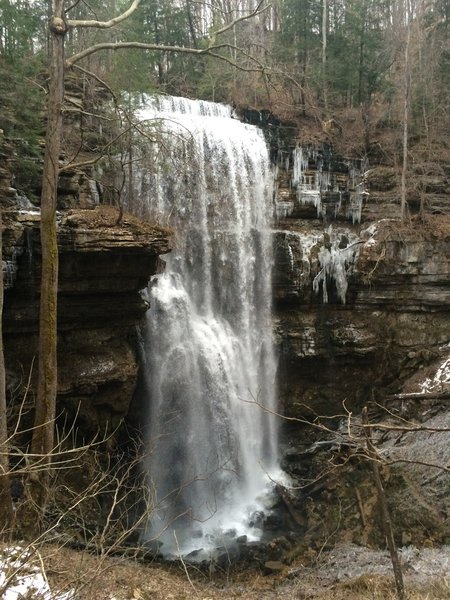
[117, 578]
[108, 216]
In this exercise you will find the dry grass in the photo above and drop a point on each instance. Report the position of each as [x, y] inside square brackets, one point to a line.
[108, 216]
[377, 587]
[116, 578]
[91, 577]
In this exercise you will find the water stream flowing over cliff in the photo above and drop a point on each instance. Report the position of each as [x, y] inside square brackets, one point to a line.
[210, 366]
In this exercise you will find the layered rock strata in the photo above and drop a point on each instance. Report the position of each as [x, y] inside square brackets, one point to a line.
[362, 318]
[358, 308]
[105, 261]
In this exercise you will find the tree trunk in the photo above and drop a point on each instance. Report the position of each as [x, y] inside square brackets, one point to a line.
[5, 491]
[407, 75]
[191, 24]
[324, 53]
[361, 66]
[43, 433]
[385, 515]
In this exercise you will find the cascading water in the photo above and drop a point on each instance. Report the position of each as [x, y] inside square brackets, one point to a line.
[210, 367]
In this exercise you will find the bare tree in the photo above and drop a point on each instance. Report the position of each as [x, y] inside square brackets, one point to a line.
[406, 94]
[43, 434]
[386, 517]
[324, 52]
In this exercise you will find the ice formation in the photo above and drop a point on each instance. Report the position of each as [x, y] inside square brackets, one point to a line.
[336, 262]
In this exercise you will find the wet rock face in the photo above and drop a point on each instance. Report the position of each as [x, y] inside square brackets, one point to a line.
[394, 320]
[333, 487]
[360, 312]
[324, 359]
[291, 278]
[103, 266]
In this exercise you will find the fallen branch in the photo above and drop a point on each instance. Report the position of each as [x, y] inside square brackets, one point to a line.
[421, 396]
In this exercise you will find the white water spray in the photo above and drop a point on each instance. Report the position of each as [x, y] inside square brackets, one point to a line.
[210, 371]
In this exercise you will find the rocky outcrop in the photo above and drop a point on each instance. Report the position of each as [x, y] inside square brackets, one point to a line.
[358, 308]
[361, 316]
[105, 261]
[394, 320]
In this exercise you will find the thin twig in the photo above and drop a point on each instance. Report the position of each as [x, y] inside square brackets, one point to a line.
[183, 563]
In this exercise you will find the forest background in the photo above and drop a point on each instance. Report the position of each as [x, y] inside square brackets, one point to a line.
[367, 65]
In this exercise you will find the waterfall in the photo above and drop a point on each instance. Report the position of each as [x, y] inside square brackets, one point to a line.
[209, 359]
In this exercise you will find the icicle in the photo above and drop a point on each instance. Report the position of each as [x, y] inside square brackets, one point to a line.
[316, 186]
[336, 265]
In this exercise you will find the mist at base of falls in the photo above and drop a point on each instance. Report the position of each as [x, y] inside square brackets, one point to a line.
[209, 364]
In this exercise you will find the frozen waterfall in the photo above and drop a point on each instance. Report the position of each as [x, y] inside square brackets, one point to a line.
[210, 367]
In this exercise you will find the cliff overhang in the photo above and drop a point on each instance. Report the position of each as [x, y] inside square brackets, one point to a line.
[106, 259]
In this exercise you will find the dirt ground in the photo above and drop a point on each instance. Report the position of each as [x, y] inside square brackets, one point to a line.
[345, 573]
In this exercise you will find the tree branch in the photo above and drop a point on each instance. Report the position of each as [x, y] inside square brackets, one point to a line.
[421, 396]
[210, 51]
[258, 10]
[105, 24]
[124, 45]
[406, 429]
[158, 47]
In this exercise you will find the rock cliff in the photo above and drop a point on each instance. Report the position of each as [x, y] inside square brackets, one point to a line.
[361, 299]
[361, 315]
[395, 318]
[106, 259]
[362, 318]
